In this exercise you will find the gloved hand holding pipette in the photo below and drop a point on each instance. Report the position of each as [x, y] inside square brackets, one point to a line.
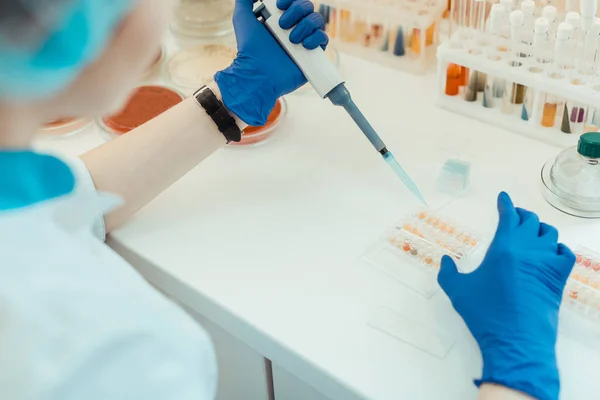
[252, 101]
[511, 302]
[305, 62]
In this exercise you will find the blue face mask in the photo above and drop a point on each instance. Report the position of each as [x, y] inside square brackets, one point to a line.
[85, 29]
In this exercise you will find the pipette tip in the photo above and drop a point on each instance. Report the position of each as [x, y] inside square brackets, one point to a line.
[408, 182]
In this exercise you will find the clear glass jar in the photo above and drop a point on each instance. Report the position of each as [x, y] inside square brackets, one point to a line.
[571, 180]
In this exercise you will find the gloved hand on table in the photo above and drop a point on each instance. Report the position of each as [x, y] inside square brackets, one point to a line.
[262, 71]
[510, 303]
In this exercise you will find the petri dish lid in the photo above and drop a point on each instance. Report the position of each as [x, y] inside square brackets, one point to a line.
[571, 180]
[204, 18]
[63, 127]
[195, 66]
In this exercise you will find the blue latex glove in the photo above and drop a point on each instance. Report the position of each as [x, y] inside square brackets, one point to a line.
[262, 71]
[510, 303]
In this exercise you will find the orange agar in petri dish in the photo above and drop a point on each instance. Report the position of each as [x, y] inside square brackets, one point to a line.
[146, 103]
[257, 134]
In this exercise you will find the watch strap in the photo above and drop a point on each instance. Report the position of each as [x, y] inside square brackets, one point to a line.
[215, 108]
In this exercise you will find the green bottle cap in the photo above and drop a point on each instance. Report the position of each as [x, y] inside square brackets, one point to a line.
[589, 145]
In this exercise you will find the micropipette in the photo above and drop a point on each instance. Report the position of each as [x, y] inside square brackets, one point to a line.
[328, 83]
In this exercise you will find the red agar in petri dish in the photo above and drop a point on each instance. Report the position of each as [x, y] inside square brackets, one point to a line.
[146, 103]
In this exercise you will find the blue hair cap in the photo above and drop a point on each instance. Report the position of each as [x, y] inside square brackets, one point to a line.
[83, 32]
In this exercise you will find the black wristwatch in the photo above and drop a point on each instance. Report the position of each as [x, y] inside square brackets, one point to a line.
[206, 98]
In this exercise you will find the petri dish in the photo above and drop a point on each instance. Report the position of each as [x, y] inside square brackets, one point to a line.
[154, 71]
[146, 103]
[201, 20]
[63, 127]
[258, 135]
[195, 66]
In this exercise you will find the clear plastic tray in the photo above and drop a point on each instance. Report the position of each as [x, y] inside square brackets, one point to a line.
[412, 251]
[582, 292]
[580, 311]
[423, 335]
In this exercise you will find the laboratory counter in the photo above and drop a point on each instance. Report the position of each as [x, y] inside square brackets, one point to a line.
[267, 242]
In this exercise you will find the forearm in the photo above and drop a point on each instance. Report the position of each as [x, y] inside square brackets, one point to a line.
[141, 164]
[490, 391]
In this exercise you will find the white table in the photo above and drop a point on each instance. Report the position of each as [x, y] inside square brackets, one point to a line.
[266, 242]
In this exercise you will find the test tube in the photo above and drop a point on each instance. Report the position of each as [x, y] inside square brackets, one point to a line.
[549, 12]
[514, 93]
[541, 51]
[528, 8]
[507, 6]
[494, 87]
[573, 120]
[476, 81]
[454, 71]
[588, 14]
[574, 19]
[554, 105]
[463, 36]
[585, 72]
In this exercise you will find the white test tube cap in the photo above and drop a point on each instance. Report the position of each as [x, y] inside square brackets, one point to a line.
[588, 8]
[516, 18]
[542, 26]
[496, 16]
[516, 23]
[573, 18]
[564, 32]
[549, 12]
[528, 7]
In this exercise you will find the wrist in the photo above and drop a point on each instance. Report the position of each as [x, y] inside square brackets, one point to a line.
[525, 367]
[217, 91]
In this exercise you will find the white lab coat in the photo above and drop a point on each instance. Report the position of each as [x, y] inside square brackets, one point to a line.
[78, 323]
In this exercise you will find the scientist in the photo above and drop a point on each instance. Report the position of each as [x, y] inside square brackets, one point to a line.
[77, 322]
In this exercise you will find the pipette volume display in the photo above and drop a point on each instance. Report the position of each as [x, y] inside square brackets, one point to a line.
[327, 82]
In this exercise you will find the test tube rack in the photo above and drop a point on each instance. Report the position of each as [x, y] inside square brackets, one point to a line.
[536, 77]
[400, 34]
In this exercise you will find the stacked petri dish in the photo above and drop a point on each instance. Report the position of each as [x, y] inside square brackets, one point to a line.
[195, 66]
[198, 21]
[64, 127]
[154, 71]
